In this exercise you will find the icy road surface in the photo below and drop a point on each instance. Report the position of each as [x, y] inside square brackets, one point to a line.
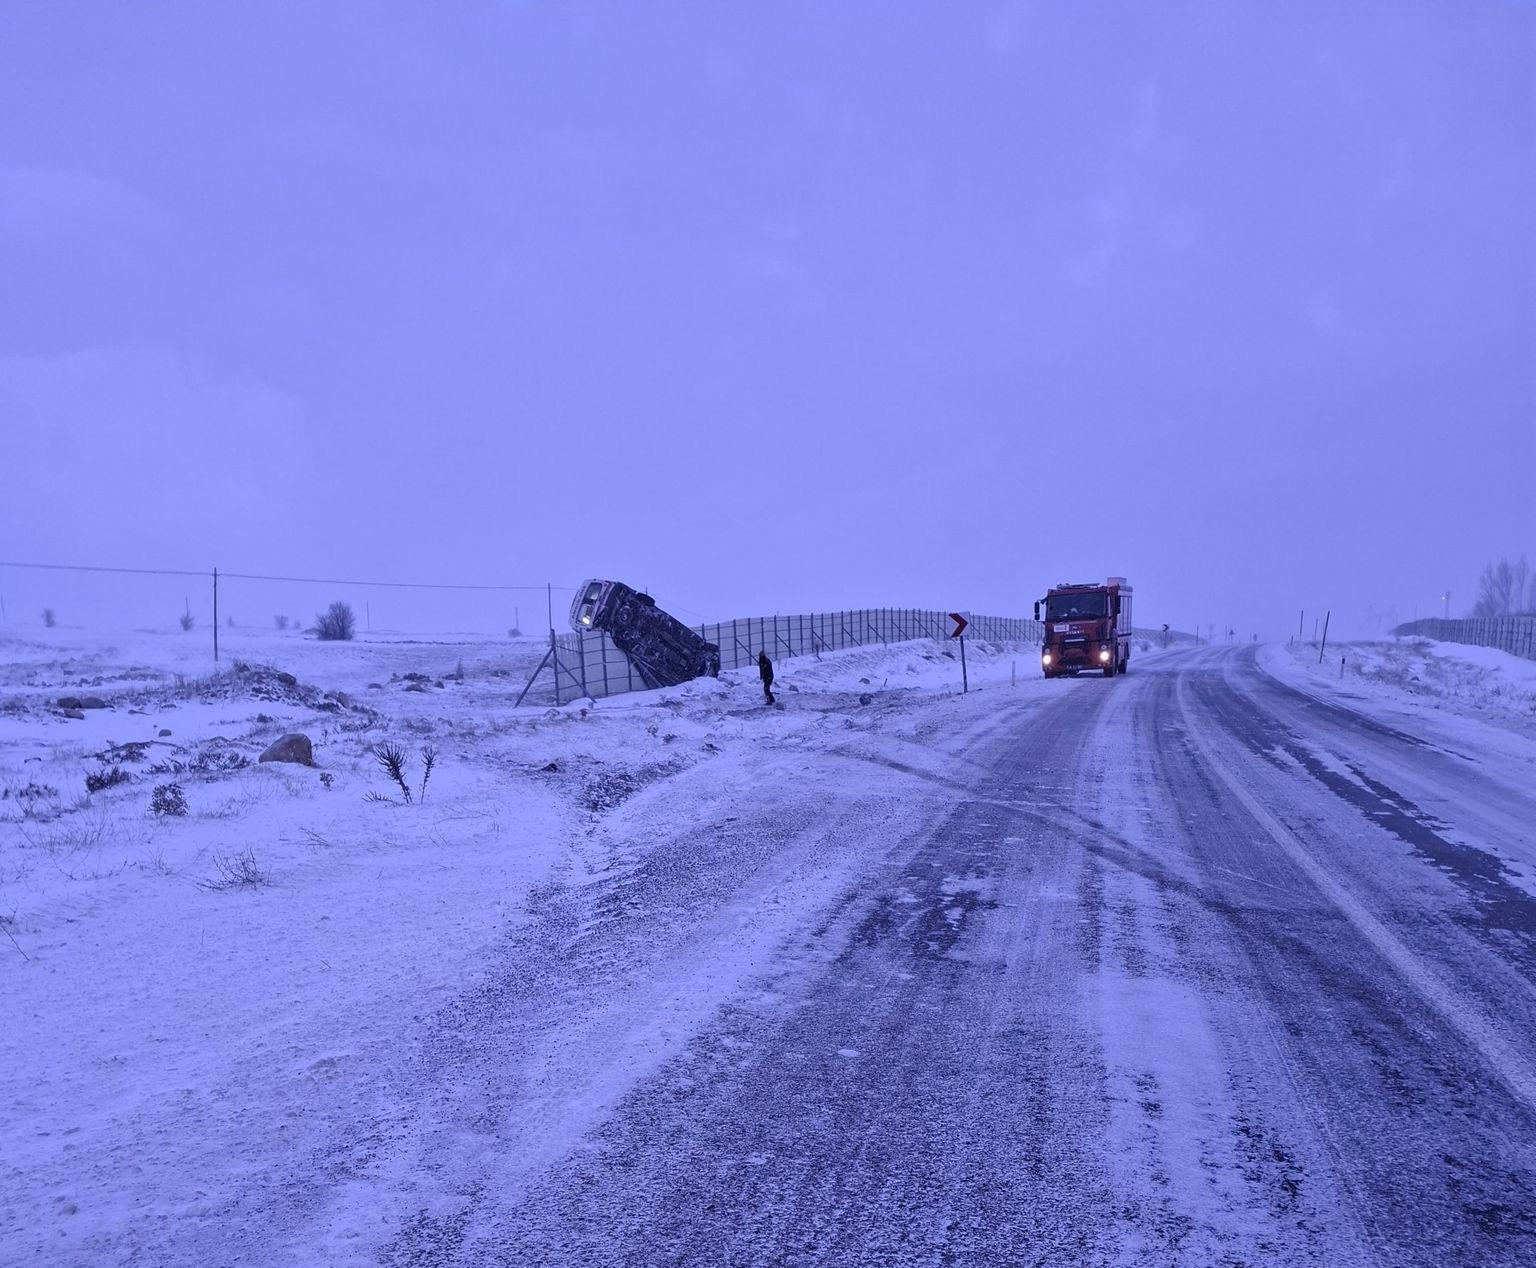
[1203, 965]
[1181, 968]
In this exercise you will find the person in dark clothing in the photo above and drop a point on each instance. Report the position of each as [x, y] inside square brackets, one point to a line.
[765, 672]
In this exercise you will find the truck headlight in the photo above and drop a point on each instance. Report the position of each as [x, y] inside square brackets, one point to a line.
[1104, 655]
[1045, 659]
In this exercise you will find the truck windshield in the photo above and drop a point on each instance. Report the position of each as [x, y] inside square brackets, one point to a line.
[1076, 607]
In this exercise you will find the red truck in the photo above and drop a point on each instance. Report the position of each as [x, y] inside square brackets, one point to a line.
[1087, 626]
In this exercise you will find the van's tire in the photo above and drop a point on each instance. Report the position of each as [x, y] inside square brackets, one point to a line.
[1109, 670]
[1125, 665]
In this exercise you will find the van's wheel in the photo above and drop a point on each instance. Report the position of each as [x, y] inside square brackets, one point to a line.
[1109, 670]
[1125, 665]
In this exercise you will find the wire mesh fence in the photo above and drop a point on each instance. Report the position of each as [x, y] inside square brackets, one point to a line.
[1513, 634]
[589, 665]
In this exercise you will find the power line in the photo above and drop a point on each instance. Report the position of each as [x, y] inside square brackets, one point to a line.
[404, 585]
[143, 572]
[251, 576]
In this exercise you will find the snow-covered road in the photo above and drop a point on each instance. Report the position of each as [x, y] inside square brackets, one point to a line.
[1188, 967]
[1209, 964]
[1193, 968]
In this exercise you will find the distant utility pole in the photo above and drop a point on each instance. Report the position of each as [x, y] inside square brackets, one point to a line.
[1324, 646]
[1447, 598]
[215, 615]
[1301, 624]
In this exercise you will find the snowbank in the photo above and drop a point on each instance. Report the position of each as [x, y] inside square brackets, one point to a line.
[1456, 678]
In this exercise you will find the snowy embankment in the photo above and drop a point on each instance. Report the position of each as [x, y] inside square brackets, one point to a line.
[197, 999]
[1418, 677]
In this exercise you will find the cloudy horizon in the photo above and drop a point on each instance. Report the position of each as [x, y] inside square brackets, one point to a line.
[784, 311]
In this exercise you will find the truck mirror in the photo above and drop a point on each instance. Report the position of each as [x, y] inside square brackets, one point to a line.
[1037, 609]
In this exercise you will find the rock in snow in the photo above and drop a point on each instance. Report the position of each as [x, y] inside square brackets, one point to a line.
[291, 748]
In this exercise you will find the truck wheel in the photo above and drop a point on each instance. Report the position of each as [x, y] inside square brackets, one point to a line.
[1125, 665]
[1109, 670]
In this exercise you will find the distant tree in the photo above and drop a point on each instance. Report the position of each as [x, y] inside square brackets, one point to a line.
[230, 622]
[48, 618]
[336, 623]
[281, 622]
[187, 620]
[1506, 588]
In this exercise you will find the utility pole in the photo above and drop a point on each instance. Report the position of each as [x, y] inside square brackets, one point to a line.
[215, 616]
[1324, 646]
[1447, 598]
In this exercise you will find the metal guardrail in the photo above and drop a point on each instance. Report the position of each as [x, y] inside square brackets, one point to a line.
[1513, 634]
[589, 665]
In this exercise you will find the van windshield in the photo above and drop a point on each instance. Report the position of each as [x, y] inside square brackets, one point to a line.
[1076, 607]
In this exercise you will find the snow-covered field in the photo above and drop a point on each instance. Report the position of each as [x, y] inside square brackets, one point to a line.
[192, 998]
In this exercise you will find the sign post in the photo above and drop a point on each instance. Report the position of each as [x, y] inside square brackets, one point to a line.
[959, 632]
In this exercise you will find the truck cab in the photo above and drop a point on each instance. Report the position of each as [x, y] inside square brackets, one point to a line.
[1087, 625]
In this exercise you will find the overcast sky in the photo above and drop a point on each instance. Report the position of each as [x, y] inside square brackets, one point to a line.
[776, 307]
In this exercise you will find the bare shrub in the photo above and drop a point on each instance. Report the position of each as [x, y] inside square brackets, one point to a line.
[280, 621]
[76, 844]
[203, 762]
[168, 801]
[337, 624]
[36, 801]
[187, 620]
[236, 871]
[391, 760]
[48, 618]
[428, 761]
[98, 781]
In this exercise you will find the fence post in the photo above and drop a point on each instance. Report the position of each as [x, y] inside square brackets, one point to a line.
[554, 659]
